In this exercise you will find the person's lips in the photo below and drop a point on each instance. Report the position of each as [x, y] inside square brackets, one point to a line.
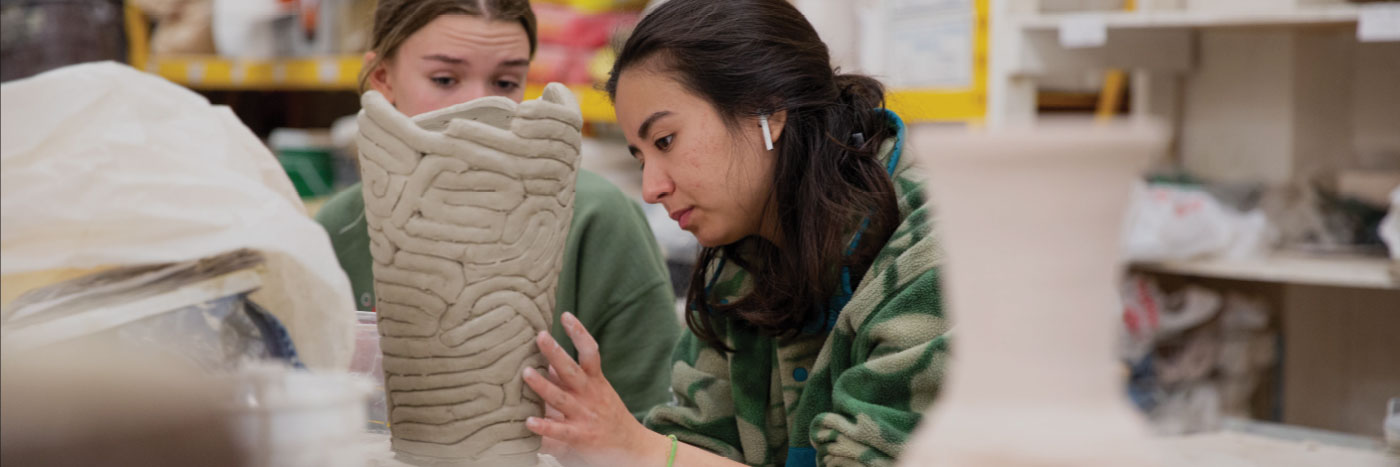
[682, 217]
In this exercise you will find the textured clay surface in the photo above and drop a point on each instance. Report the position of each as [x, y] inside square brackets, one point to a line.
[468, 209]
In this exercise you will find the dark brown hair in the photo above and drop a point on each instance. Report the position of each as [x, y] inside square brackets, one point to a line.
[395, 20]
[755, 57]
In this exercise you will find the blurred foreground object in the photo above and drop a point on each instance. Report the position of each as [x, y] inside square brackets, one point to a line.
[91, 403]
[104, 166]
[94, 405]
[168, 364]
[1030, 219]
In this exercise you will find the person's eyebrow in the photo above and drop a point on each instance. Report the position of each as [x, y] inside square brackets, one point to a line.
[644, 131]
[515, 63]
[445, 59]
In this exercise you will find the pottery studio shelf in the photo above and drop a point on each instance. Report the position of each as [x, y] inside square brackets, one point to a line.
[341, 73]
[1291, 268]
[1163, 45]
[1309, 16]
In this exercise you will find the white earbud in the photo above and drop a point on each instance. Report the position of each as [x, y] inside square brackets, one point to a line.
[767, 135]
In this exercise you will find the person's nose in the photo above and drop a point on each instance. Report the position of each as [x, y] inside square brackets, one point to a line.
[475, 89]
[656, 183]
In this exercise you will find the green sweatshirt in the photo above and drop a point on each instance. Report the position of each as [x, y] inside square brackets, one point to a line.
[847, 393]
[614, 279]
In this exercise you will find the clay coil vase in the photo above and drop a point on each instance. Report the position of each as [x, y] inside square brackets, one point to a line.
[468, 209]
[1030, 220]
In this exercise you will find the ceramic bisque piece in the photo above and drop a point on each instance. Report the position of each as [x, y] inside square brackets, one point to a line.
[1031, 220]
[468, 208]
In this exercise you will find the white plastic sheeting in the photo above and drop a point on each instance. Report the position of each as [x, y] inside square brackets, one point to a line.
[104, 165]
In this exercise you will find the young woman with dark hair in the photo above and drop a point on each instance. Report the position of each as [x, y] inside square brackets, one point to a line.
[817, 335]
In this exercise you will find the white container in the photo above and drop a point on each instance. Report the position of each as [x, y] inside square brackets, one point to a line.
[256, 29]
[293, 418]
[369, 362]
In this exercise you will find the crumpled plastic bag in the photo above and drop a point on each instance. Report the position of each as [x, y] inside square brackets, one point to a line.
[1167, 222]
[1390, 226]
[1151, 315]
[102, 165]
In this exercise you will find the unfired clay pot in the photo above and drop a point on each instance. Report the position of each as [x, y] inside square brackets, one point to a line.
[468, 210]
[1031, 221]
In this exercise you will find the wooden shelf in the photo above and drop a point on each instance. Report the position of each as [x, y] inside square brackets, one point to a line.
[1316, 16]
[1049, 100]
[1342, 271]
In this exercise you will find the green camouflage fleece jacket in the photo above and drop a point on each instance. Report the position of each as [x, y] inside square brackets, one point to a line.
[849, 395]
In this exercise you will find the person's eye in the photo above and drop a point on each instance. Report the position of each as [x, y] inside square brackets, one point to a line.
[507, 85]
[665, 143]
[444, 81]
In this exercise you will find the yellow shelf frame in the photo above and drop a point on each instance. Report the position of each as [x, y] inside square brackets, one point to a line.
[958, 104]
[336, 73]
[594, 104]
[599, 6]
[341, 73]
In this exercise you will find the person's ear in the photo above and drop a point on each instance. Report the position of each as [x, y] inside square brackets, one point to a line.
[776, 122]
[379, 76]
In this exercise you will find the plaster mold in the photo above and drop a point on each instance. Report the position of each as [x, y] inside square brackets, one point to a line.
[1031, 221]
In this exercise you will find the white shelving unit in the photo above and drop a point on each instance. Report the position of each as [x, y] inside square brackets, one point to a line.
[1347, 271]
[1153, 44]
[1254, 91]
[1253, 95]
[1314, 16]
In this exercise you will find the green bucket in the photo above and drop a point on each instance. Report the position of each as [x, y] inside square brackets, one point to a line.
[312, 170]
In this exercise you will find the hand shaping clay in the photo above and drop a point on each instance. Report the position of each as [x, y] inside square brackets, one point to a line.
[468, 208]
[1031, 222]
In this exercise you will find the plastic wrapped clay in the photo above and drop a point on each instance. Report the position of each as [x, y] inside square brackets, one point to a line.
[468, 210]
[1031, 221]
